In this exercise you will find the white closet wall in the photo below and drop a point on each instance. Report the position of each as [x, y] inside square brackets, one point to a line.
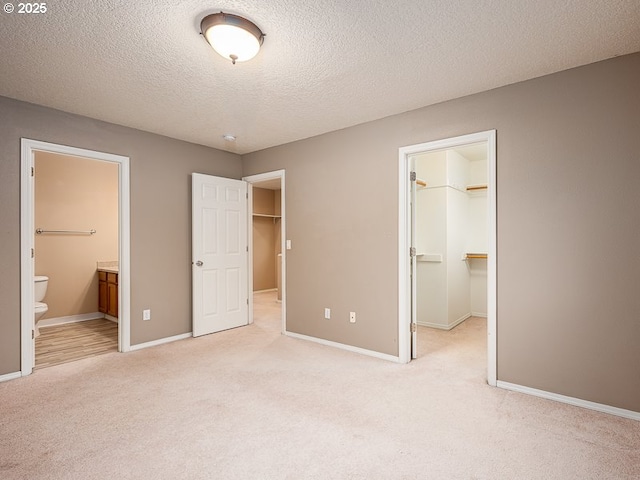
[458, 300]
[431, 240]
[478, 237]
[450, 223]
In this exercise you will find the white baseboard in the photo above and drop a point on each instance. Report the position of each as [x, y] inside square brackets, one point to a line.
[342, 346]
[83, 317]
[160, 341]
[620, 412]
[10, 376]
[439, 326]
[110, 318]
[476, 314]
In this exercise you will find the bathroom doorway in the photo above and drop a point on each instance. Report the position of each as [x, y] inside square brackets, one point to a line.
[267, 249]
[447, 240]
[75, 210]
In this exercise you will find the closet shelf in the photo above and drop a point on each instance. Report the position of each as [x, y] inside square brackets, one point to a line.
[429, 257]
[266, 215]
[476, 187]
[476, 255]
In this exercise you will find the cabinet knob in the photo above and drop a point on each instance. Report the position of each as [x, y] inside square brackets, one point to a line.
[199, 263]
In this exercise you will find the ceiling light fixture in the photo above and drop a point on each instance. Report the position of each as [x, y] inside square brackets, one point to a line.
[229, 138]
[232, 36]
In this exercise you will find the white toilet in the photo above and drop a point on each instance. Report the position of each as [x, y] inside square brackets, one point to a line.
[40, 308]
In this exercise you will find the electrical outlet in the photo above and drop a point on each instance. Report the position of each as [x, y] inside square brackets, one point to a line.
[146, 315]
[327, 313]
[352, 317]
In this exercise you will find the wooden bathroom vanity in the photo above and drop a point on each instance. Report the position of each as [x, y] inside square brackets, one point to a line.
[108, 293]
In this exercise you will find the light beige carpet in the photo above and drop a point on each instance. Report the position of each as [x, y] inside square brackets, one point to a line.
[250, 403]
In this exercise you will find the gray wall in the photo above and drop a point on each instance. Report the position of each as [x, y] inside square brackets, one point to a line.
[160, 170]
[568, 228]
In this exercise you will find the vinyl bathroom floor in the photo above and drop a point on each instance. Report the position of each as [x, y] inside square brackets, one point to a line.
[74, 341]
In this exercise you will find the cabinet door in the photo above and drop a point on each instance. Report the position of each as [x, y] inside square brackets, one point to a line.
[112, 294]
[102, 296]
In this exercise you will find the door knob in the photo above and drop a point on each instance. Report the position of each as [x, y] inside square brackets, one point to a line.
[199, 263]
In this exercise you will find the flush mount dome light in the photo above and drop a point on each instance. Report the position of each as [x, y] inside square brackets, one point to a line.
[233, 37]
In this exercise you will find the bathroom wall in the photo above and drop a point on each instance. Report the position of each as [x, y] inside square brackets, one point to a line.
[73, 193]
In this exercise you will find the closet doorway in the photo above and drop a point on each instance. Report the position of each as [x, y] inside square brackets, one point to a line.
[75, 230]
[447, 258]
[267, 249]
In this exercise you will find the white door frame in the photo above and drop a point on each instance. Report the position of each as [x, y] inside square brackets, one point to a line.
[404, 243]
[27, 243]
[251, 179]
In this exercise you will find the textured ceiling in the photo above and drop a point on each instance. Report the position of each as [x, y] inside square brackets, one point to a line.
[324, 65]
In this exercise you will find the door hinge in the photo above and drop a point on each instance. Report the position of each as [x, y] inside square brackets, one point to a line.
[33, 334]
[412, 176]
[33, 171]
[32, 253]
[247, 301]
[412, 252]
[414, 328]
[247, 248]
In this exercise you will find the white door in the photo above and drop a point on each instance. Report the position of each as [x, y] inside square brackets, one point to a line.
[219, 249]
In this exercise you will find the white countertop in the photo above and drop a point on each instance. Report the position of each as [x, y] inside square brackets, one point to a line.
[110, 267]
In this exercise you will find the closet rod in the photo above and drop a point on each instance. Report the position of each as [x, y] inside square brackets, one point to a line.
[422, 183]
[477, 187]
[87, 232]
